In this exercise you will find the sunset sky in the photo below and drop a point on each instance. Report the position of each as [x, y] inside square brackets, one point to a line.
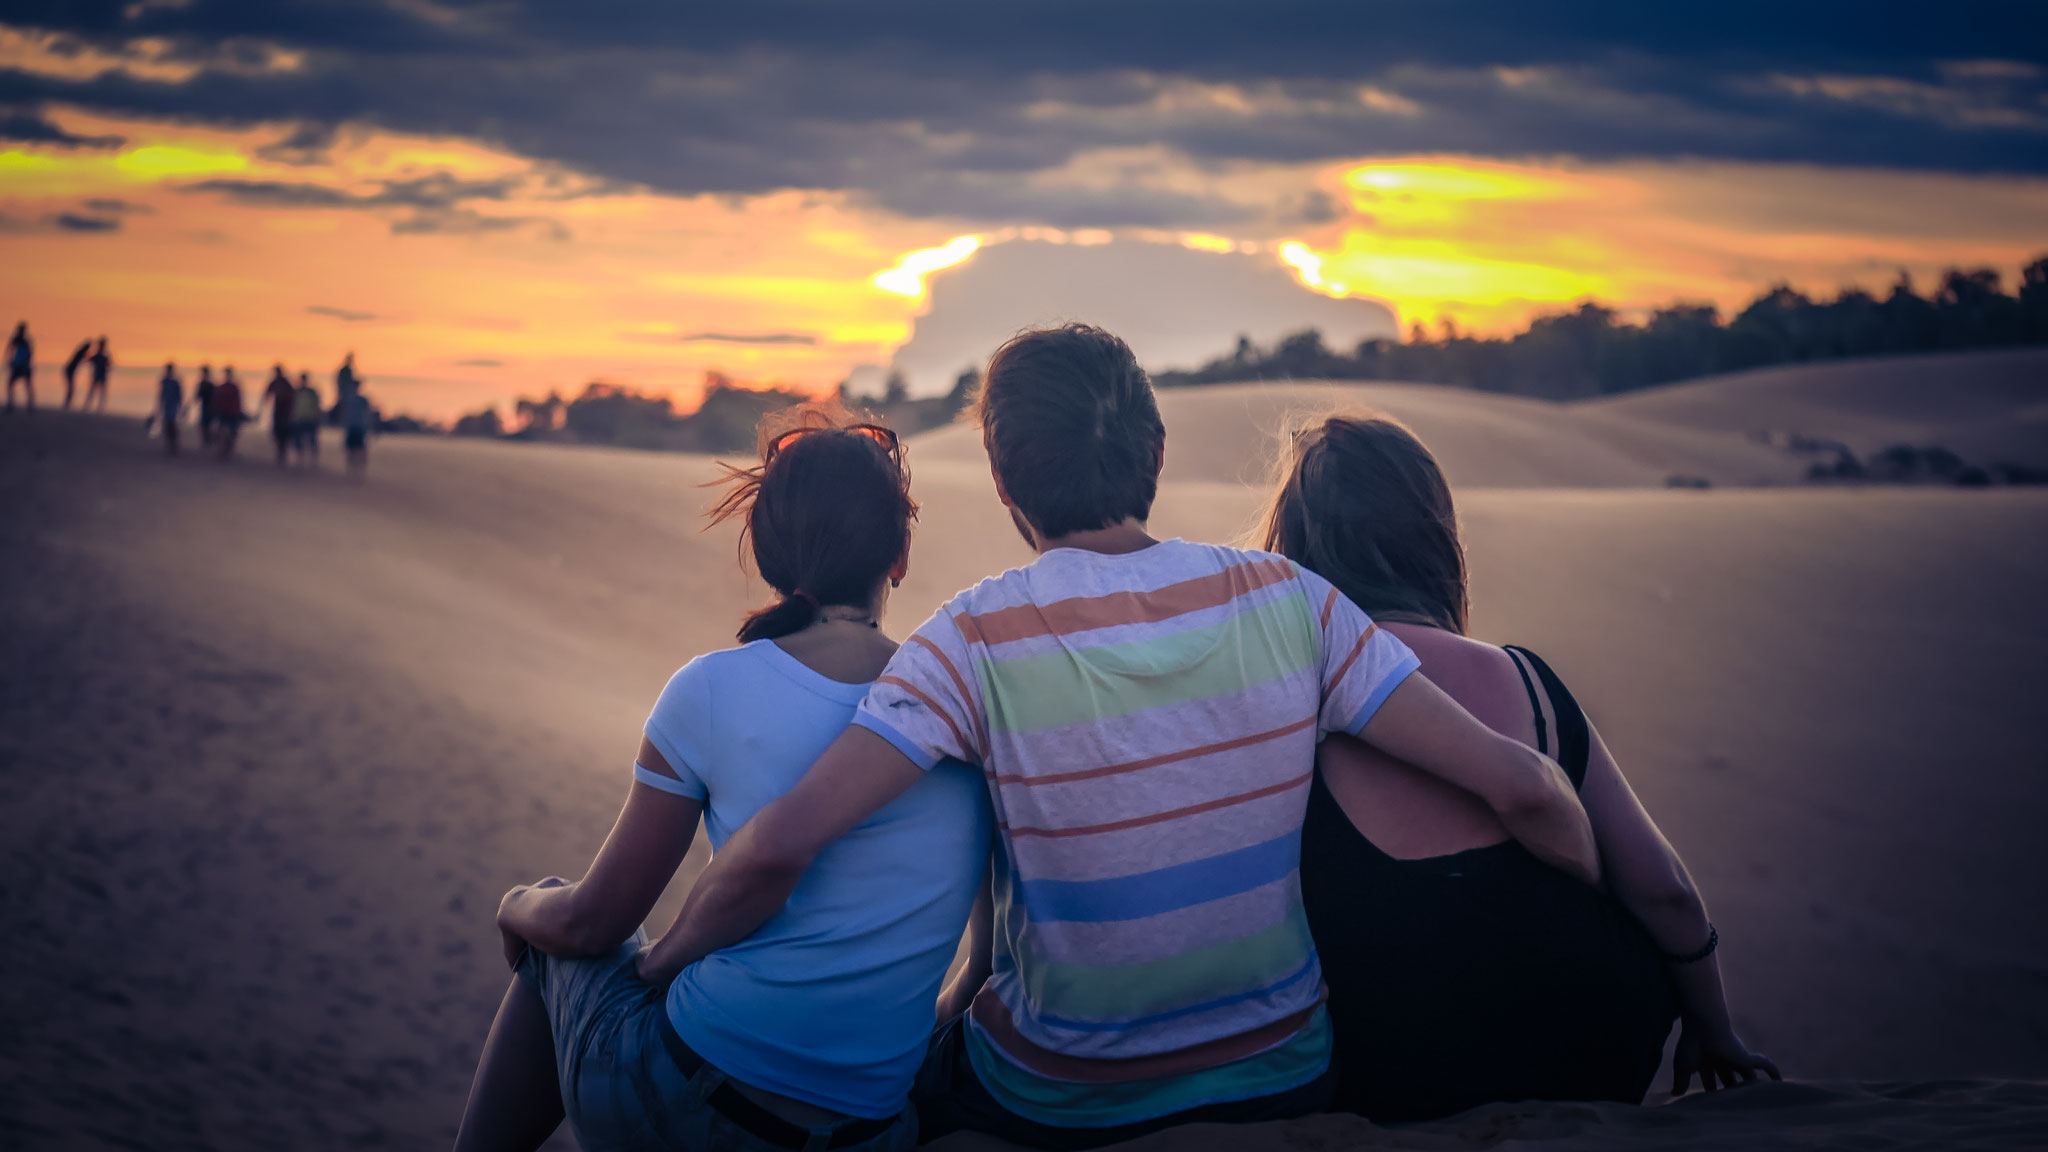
[488, 199]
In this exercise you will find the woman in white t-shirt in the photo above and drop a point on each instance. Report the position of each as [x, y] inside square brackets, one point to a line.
[810, 1032]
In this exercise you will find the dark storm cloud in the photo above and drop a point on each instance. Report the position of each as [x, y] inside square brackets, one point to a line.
[21, 126]
[941, 108]
[79, 222]
[439, 202]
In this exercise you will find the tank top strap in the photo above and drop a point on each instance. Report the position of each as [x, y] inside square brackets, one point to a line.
[1535, 705]
[1574, 735]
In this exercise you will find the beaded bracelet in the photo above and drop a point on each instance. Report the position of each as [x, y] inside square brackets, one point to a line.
[1704, 950]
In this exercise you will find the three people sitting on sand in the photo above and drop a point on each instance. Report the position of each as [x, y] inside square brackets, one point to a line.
[1110, 756]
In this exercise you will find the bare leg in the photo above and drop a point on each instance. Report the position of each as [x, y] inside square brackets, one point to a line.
[515, 1102]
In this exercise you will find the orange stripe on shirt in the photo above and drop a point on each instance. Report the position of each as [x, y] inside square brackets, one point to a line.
[1160, 817]
[1329, 606]
[932, 704]
[1087, 613]
[966, 697]
[1155, 761]
[1356, 650]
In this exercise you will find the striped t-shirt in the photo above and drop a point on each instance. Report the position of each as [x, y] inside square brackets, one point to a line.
[1147, 724]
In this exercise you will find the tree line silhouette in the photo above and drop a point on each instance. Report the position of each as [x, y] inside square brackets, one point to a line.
[624, 417]
[1592, 350]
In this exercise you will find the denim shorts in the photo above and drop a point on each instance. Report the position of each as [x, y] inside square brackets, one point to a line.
[621, 1088]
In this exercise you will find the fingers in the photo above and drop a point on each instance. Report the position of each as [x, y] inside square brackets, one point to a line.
[1765, 1063]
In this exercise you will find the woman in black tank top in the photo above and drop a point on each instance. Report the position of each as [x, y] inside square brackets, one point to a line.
[1456, 980]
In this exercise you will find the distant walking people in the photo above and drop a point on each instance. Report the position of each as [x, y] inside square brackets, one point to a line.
[21, 365]
[170, 404]
[78, 356]
[346, 385]
[283, 400]
[357, 418]
[227, 412]
[306, 419]
[202, 395]
[101, 365]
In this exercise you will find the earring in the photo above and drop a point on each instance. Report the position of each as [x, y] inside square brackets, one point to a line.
[895, 581]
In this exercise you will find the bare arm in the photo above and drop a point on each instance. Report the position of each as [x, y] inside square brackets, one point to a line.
[751, 877]
[595, 914]
[1530, 794]
[1646, 875]
[981, 934]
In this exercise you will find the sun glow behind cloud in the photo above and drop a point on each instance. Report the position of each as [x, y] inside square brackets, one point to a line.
[907, 277]
[463, 274]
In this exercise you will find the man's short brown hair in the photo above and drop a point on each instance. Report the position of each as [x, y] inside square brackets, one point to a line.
[1072, 428]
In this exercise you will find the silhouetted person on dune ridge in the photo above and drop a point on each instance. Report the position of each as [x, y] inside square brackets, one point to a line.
[227, 412]
[202, 395]
[170, 404]
[282, 398]
[21, 365]
[346, 385]
[358, 420]
[101, 365]
[78, 356]
[306, 420]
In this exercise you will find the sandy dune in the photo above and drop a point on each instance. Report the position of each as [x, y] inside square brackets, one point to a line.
[274, 744]
[1991, 407]
[1485, 440]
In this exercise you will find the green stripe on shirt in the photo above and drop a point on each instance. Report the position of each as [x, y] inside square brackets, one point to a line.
[1125, 991]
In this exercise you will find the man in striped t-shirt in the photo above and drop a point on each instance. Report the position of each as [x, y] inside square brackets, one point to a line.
[1146, 714]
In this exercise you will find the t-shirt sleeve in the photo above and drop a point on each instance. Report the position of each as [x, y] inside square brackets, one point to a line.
[682, 714]
[1362, 663]
[928, 702]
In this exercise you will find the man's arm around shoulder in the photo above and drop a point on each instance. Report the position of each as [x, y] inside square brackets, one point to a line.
[1530, 794]
[750, 878]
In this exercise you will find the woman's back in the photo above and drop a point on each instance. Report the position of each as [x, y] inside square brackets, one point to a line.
[1462, 969]
[831, 1001]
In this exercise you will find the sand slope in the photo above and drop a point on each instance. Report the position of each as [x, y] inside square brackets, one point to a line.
[1989, 406]
[273, 746]
[1483, 439]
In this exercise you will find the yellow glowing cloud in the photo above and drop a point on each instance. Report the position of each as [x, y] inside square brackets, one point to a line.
[907, 277]
[1206, 242]
[165, 161]
[1490, 244]
[1470, 240]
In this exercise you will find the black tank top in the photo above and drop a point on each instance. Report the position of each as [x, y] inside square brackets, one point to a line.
[1481, 975]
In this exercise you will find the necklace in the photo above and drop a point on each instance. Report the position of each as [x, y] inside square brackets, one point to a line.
[870, 621]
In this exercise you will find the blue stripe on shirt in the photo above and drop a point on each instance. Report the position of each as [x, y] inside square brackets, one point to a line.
[1163, 889]
[1394, 678]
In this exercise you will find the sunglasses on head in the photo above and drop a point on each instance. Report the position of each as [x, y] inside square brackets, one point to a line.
[886, 437]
